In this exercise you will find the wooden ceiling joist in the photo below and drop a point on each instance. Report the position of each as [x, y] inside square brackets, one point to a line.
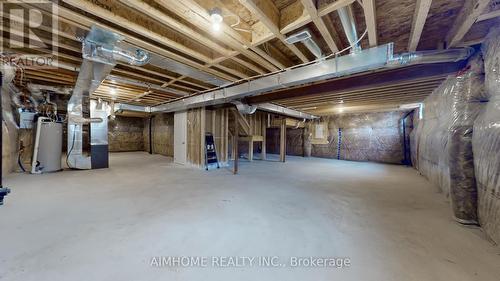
[380, 78]
[121, 21]
[174, 24]
[248, 65]
[70, 20]
[375, 96]
[468, 15]
[371, 21]
[417, 95]
[381, 94]
[74, 18]
[326, 6]
[252, 42]
[295, 16]
[421, 11]
[198, 16]
[269, 15]
[490, 15]
[310, 7]
[375, 90]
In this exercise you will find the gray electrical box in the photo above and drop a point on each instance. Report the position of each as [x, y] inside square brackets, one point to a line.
[26, 119]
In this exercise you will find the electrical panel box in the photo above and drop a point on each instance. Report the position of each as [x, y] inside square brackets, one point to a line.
[26, 119]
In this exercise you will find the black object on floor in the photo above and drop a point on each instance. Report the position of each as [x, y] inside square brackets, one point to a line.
[210, 152]
[3, 193]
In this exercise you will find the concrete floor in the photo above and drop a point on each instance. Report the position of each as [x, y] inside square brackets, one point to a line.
[108, 224]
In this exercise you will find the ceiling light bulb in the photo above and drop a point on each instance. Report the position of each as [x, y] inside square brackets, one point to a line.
[216, 27]
[112, 91]
[216, 15]
[216, 18]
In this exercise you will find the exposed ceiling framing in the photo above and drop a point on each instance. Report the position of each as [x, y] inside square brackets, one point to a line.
[251, 40]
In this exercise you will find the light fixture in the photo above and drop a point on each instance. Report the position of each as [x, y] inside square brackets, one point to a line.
[309, 108]
[216, 18]
[112, 92]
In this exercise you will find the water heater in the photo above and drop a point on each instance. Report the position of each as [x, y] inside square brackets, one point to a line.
[48, 146]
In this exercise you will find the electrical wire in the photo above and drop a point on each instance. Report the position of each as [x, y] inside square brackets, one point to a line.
[71, 149]
[19, 162]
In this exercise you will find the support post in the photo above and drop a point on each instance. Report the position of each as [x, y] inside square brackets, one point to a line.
[264, 129]
[151, 134]
[225, 124]
[283, 140]
[235, 142]
[250, 149]
[307, 146]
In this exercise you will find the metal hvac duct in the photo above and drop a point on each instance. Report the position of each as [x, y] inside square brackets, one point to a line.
[100, 54]
[424, 57]
[120, 107]
[133, 82]
[32, 87]
[375, 58]
[174, 66]
[349, 24]
[305, 37]
[244, 108]
[274, 108]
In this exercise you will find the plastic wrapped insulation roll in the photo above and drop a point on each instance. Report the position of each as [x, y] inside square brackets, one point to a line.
[486, 141]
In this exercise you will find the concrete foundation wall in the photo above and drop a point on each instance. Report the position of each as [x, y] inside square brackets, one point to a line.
[126, 134]
[294, 141]
[375, 137]
[162, 134]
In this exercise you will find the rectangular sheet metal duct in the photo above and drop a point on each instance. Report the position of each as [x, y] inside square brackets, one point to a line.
[269, 107]
[174, 66]
[364, 60]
